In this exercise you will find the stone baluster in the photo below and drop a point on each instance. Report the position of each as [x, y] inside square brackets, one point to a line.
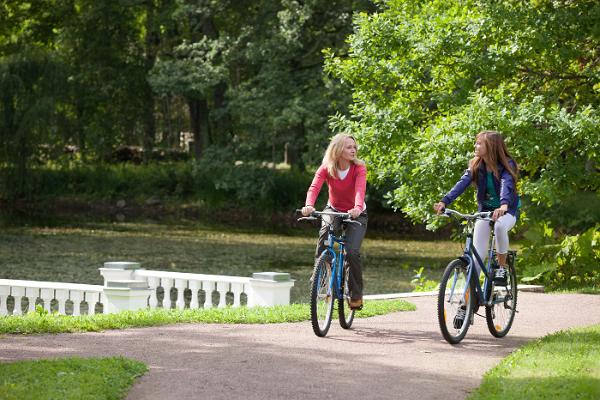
[181, 285]
[194, 287]
[167, 284]
[208, 288]
[4, 292]
[17, 293]
[237, 289]
[222, 288]
[32, 294]
[153, 283]
[47, 295]
[62, 295]
[76, 297]
[91, 298]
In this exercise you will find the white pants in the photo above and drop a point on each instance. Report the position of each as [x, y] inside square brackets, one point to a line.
[481, 236]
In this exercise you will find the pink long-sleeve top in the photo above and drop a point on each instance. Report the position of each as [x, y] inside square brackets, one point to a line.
[344, 194]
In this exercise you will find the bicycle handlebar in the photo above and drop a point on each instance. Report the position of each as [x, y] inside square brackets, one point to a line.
[315, 215]
[485, 215]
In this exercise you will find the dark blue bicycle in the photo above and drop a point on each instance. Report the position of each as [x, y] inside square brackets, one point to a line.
[461, 293]
[330, 276]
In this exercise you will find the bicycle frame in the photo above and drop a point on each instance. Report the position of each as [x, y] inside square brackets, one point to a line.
[337, 263]
[469, 253]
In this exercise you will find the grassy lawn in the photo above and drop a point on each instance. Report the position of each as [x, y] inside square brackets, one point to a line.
[69, 378]
[74, 253]
[565, 366]
[42, 322]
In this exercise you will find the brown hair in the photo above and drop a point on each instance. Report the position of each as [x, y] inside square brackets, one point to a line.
[496, 153]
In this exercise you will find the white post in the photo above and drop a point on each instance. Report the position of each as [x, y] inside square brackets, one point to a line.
[118, 270]
[181, 285]
[47, 295]
[125, 296]
[32, 295]
[153, 283]
[62, 295]
[194, 287]
[76, 297]
[269, 289]
[17, 293]
[208, 288]
[4, 292]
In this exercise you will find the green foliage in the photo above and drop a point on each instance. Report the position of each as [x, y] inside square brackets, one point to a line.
[70, 378]
[564, 365]
[427, 76]
[566, 263]
[213, 181]
[422, 283]
[55, 323]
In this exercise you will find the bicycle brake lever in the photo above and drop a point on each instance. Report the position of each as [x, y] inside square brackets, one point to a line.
[352, 221]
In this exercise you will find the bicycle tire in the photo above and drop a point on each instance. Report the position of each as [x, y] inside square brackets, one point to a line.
[500, 315]
[321, 297]
[345, 313]
[449, 302]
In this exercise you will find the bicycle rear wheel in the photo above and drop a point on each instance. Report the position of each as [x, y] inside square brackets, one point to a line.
[346, 315]
[501, 314]
[321, 297]
[456, 300]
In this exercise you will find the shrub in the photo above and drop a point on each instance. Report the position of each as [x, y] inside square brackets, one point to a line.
[561, 263]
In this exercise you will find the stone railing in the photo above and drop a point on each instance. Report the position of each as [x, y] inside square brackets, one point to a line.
[26, 294]
[128, 287]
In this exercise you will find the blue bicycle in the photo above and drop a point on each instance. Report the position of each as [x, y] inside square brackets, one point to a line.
[461, 294]
[330, 276]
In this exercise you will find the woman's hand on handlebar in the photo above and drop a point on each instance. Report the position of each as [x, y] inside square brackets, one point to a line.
[307, 210]
[354, 212]
[498, 212]
[439, 207]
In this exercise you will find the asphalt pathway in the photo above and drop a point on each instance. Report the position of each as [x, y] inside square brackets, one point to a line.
[396, 356]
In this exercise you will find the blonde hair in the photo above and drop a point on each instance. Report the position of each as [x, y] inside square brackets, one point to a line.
[334, 152]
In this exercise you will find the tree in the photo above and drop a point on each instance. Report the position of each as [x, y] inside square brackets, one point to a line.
[426, 76]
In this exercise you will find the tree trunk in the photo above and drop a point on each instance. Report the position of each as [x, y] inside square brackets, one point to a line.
[199, 123]
[151, 43]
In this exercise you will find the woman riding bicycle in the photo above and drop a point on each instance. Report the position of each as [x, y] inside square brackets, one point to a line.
[346, 178]
[494, 174]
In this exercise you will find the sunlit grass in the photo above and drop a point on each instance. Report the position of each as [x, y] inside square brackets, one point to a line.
[564, 365]
[42, 322]
[69, 378]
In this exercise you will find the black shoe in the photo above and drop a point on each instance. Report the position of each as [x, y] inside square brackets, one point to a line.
[460, 317]
[500, 277]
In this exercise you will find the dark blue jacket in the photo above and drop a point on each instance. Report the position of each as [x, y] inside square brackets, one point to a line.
[505, 186]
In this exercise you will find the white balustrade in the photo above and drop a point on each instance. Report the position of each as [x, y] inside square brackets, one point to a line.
[47, 292]
[181, 281]
[126, 287]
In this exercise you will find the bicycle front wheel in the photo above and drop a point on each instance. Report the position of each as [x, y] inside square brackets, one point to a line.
[456, 300]
[346, 314]
[501, 313]
[321, 297]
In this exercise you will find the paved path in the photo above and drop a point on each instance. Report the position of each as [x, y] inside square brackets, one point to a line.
[396, 356]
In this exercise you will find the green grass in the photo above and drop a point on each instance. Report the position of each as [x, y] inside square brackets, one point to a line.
[565, 366]
[69, 378]
[54, 323]
[74, 254]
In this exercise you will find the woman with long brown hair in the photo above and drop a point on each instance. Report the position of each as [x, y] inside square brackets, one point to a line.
[494, 174]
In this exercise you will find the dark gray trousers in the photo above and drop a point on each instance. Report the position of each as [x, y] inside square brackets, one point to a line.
[354, 237]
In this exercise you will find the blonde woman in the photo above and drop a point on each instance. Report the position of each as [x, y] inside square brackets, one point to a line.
[346, 178]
